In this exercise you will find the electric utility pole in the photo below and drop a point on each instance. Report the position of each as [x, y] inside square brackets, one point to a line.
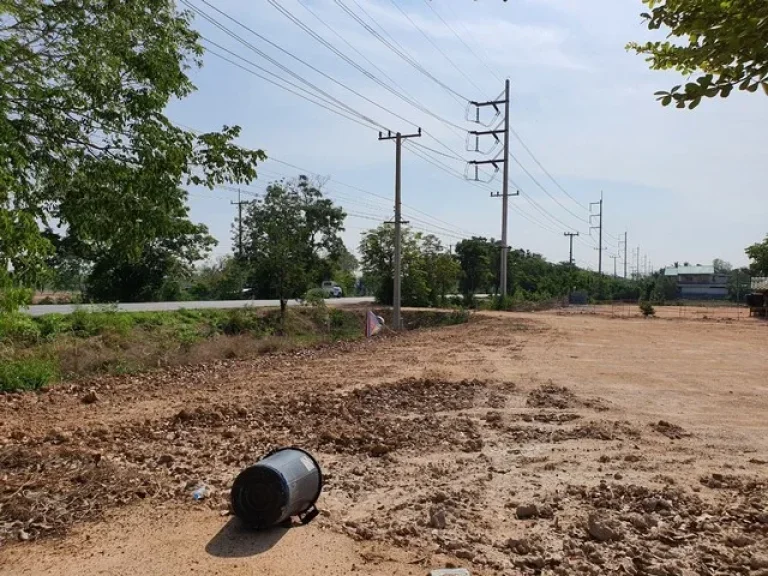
[624, 244]
[505, 184]
[614, 257]
[570, 252]
[637, 262]
[600, 227]
[398, 138]
[625, 254]
[239, 205]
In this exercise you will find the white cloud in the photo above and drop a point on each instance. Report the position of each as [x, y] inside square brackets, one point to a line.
[582, 103]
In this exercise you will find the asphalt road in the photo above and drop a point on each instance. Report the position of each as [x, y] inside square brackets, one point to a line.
[41, 310]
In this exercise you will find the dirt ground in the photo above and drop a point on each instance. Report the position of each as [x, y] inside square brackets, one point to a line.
[540, 443]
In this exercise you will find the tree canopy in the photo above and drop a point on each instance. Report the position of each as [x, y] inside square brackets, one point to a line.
[758, 254]
[428, 272]
[721, 266]
[86, 151]
[291, 239]
[724, 43]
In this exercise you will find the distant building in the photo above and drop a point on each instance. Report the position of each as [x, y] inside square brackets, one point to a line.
[698, 282]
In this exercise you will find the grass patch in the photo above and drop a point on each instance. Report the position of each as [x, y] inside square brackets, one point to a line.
[26, 374]
[40, 350]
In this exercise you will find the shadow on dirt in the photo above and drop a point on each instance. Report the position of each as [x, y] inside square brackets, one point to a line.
[236, 540]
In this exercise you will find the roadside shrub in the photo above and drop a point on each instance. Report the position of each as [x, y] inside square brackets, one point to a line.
[240, 321]
[50, 325]
[647, 309]
[11, 299]
[27, 374]
[85, 324]
[344, 325]
[18, 329]
[315, 297]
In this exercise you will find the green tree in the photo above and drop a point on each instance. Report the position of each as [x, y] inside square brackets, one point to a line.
[377, 251]
[85, 146]
[739, 284]
[287, 237]
[224, 279]
[721, 266]
[758, 254]
[344, 274]
[442, 269]
[68, 273]
[723, 42]
[475, 262]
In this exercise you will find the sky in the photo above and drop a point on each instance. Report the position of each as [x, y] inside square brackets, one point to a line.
[686, 186]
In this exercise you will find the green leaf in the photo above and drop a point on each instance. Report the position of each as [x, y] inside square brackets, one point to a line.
[718, 42]
[88, 150]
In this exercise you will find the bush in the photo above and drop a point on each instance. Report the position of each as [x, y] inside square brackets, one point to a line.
[50, 325]
[315, 297]
[240, 321]
[86, 324]
[11, 299]
[344, 325]
[28, 374]
[647, 309]
[19, 329]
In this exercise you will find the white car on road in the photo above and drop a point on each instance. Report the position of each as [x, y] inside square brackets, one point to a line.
[331, 289]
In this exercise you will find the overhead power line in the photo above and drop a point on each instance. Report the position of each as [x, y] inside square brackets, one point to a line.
[281, 66]
[434, 44]
[482, 61]
[395, 47]
[407, 99]
[539, 184]
[543, 169]
[308, 98]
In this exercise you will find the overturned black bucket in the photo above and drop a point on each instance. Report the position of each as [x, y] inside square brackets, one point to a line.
[284, 484]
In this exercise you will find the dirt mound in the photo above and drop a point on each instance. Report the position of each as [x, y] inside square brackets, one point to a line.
[47, 490]
[671, 531]
[557, 397]
[671, 431]
[86, 471]
[552, 396]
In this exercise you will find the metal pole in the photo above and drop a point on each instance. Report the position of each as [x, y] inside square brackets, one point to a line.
[570, 250]
[398, 239]
[239, 223]
[625, 255]
[505, 194]
[600, 249]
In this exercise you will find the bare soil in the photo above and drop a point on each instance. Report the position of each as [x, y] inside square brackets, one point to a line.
[515, 444]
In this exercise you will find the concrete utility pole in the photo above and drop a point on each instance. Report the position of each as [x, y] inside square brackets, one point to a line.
[570, 252]
[398, 138]
[614, 257]
[600, 227]
[624, 243]
[505, 185]
[637, 262]
[239, 205]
